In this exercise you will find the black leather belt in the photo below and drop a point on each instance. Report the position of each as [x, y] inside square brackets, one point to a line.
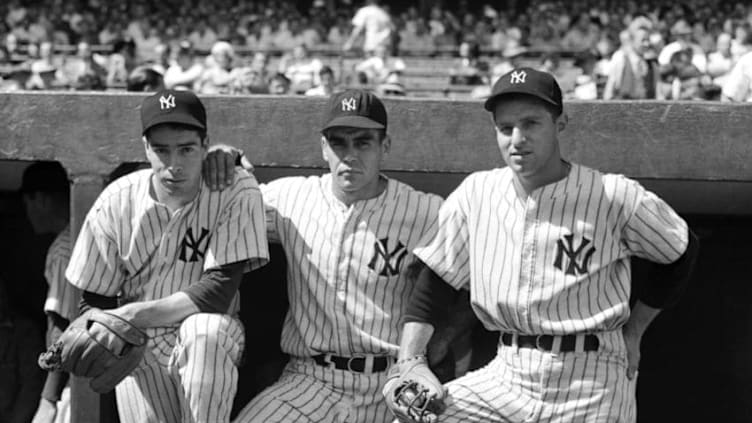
[368, 364]
[546, 342]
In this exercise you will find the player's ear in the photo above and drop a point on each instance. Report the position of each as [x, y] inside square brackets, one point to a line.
[324, 144]
[386, 144]
[562, 121]
[146, 143]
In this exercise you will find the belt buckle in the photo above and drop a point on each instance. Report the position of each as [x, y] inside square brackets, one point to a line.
[349, 364]
[538, 345]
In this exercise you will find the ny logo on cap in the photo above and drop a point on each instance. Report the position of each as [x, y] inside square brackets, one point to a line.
[518, 77]
[349, 104]
[167, 102]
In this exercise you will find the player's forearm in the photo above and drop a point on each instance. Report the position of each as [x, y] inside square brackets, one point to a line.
[166, 311]
[641, 317]
[414, 340]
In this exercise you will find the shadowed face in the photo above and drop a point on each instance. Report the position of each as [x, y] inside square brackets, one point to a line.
[175, 155]
[355, 156]
[527, 135]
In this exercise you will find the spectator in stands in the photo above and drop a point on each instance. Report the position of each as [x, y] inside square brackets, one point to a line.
[416, 38]
[284, 39]
[184, 71]
[737, 86]
[378, 65]
[120, 63]
[144, 78]
[112, 31]
[583, 35]
[682, 34]
[217, 77]
[325, 88]
[44, 73]
[632, 73]
[279, 84]
[260, 64]
[249, 81]
[84, 72]
[301, 69]
[549, 63]
[740, 44]
[720, 61]
[392, 86]
[146, 47]
[338, 33]
[470, 69]
[203, 38]
[585, 82]
[683, 77]
[374, 23]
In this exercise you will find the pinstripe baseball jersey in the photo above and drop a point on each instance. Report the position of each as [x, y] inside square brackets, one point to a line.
[134, 246]
[346, 284]
[62, 297]
[555, 261]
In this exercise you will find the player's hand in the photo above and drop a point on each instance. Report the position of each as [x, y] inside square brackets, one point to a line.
[46, 412]
[413, 393]
[219, 166]
[632, 339]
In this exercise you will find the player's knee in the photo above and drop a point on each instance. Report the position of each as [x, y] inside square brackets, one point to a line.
[208, 328]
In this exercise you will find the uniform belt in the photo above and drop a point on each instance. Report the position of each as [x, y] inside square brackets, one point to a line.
[362, 364]
[548, 343]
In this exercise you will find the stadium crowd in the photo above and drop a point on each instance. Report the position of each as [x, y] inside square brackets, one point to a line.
[598, 48]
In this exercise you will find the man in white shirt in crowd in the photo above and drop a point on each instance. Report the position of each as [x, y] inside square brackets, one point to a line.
[376, 25]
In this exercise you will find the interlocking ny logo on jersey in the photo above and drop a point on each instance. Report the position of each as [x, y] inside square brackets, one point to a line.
[390, 261]
[194, 245]
[518, 77]
[167, 102]
[349, 104]
[577, 262]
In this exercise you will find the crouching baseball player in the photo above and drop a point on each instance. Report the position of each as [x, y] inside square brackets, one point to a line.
[544, 247]
[159, 259]
[347, 236]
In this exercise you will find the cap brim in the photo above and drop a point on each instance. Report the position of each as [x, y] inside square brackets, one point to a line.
[168, 118]
[353, 122]
[491, 101]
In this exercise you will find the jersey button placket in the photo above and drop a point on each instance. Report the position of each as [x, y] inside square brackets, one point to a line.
[527, 266]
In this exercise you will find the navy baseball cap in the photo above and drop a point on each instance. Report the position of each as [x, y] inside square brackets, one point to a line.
[526, 81]
[45, 177]
[172, 106]
[356, 109]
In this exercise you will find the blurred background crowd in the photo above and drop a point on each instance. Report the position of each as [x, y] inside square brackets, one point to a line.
[695, 49]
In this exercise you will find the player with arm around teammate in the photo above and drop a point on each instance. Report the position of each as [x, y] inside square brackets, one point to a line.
[347, 237]
[544, 246]
[169, 254]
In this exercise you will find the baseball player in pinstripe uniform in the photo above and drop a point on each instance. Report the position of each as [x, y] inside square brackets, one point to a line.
[543, 245]
[170, 255]
[61, 307]
[347, 236]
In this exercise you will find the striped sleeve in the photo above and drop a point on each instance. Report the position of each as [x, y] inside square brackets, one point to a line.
[444, 248]
[270, 193]
[654, 231]
[240, 234]
[94, 265]
[61, 296]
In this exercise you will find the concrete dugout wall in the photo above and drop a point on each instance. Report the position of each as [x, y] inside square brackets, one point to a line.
[693, 154]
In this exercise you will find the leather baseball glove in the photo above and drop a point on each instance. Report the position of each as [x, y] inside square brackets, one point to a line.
[413, 393]
[98, 345]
